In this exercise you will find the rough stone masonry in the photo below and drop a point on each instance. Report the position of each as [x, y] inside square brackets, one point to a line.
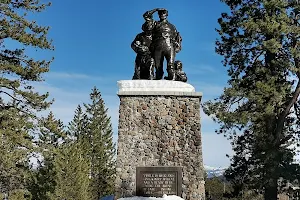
[160, 130]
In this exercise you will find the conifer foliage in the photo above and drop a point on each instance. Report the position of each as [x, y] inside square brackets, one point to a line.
[72, 171]
[42, 181]
[19, 102]
[101, 149]
[258, 110]
[85, 163]
[78, 127]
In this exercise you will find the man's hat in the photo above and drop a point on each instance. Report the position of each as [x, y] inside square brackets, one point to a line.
[161, 12]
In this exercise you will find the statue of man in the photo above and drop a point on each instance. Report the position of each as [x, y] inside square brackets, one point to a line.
[144, 63]
[166, 42]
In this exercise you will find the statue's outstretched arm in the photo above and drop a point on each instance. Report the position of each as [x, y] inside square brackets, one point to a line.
[148, 15]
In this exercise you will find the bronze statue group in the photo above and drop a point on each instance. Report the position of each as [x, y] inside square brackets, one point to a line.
[159, 40]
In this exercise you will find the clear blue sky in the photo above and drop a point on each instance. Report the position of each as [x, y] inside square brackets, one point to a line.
[92, 48]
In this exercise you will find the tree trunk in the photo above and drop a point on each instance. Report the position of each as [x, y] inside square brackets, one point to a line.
[271, 190]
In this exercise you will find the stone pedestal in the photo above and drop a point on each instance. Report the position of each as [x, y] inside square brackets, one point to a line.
[159, 125]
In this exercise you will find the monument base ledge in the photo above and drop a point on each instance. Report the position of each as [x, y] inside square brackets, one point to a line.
[156, 87]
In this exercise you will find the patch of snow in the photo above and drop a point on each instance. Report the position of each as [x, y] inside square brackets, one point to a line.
[165, 197]
[214, 171]
[154, 85]
[206, 167]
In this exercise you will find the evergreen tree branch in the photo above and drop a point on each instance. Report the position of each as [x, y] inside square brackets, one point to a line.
[282, 117]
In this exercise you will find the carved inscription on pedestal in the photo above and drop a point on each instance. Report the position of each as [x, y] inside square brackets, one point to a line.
[157, 181]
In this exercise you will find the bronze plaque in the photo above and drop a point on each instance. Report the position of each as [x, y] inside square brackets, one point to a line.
[157, 181]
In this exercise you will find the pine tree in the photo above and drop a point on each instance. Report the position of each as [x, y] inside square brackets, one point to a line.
[87, 156]
[214, 188]
[15, 149]
[72, 171]
[78, 127]
[42, 180]
[257, 111]
[50, 137]
[101, 149]
[19, 103]
[19, 195]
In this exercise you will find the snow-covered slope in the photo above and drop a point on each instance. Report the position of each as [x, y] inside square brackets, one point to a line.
[214, 171]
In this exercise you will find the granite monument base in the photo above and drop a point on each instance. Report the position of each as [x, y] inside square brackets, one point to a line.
[159, 127]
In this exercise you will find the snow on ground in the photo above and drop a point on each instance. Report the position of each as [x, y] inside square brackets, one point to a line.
[165, 197]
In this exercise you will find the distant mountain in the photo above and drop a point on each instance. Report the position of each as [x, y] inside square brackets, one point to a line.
[214, 171]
